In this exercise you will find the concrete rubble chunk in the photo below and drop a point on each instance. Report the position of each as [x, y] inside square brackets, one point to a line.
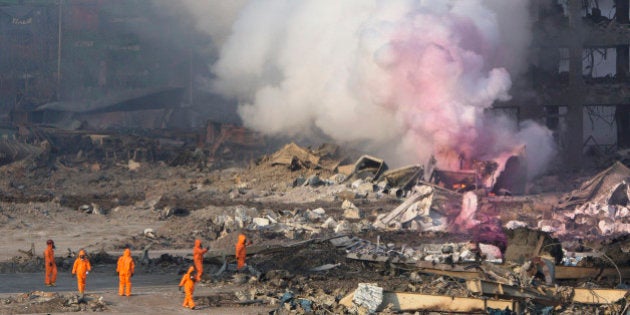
[150, 233]
[343, 227]
[271, 219]
[365, 188]
[260, 222]
[356, 184]
[418, 192]
[515, 224]
[315, 215]
[86, 208]
[347, 204]
[225, 221]
[368, 295]
[313, 181]
[415, 226]
[420, 208]
[244, 295]
[341, 241]
[337, 178]
[96, 209]
[330, 223]
[243, 215]
[351, 211]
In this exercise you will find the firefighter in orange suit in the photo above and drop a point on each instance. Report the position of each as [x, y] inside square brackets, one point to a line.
[81, 269]
[198, 252]
[188, 283]
[50, 264]
[125, 269]
[240, 250]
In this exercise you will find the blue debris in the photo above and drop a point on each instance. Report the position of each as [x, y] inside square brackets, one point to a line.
[286, 297]
[306, 305]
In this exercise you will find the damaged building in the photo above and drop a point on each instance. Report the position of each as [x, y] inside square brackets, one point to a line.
[579, 73]
[58, 53]
[100, 77]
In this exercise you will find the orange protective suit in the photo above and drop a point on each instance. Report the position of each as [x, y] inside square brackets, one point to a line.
[198, 253]
[50, 264]
[240, 251]
[81, 268]
[125, 268]
[188, 282]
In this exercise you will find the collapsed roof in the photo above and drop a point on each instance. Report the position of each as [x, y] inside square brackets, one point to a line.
[607, 187]
[131, 100]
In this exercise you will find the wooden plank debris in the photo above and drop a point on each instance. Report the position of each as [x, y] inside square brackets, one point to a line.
[598, 296]
[468, 271]
[409, 302]
[496, 289]
[462, 271]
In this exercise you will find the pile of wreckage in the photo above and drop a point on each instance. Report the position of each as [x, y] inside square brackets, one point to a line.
[513, 257]
[454, 201]
[514, 266]
[527, 278]
[45, 302]
[522, 283]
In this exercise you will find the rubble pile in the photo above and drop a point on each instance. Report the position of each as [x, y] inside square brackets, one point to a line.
[52, 302]
[332, 234]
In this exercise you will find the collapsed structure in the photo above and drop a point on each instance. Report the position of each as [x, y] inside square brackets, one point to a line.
[522, 261]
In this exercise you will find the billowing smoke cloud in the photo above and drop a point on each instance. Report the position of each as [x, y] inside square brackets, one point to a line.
[406, 78]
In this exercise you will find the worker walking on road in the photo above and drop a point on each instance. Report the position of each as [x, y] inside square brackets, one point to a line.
[188, 283]
[125, 269]
[240, 251]
[198, 252]
[81, 269]
[50, 264]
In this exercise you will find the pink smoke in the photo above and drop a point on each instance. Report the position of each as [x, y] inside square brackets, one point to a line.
[403, 79]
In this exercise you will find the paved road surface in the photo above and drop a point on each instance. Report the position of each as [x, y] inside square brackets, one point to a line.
[152, 293]
[97, 282]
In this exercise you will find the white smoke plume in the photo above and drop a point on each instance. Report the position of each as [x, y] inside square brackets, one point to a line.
[406, 78]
